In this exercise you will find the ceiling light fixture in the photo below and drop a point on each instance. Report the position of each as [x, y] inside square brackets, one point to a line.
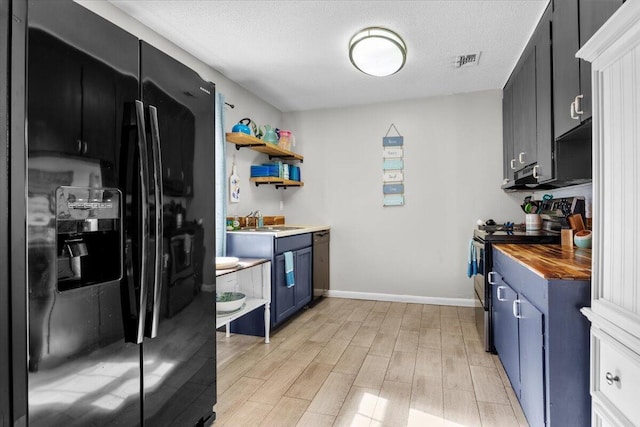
[377, 51]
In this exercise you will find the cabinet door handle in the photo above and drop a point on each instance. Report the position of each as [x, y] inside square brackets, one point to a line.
[535, 171]
[578, 106]
[84, 147]
[168, 172]
[500, 288]
[79, 146]
[573, 111]
[521, 158]
[611, 379]
[491, 279]
[513, 164]
[516, 309]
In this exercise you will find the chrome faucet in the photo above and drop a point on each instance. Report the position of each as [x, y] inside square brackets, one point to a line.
[251, 214]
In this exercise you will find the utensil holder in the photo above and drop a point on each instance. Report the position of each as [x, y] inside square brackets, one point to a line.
[533, 222]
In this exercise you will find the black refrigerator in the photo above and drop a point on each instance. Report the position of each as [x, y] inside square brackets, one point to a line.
[109, 322]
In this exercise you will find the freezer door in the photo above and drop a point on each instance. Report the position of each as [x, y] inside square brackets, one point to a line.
[180, 349]
[81, 74]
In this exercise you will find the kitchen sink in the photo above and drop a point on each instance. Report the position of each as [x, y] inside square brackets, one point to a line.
[272, 228]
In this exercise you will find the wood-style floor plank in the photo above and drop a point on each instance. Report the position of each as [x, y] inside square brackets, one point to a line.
[488, 385]
[493, 414]
[351, 360]
[392, 408]
[372, 372]
[358, 407]
[365, 336]
[401, 367]
[287, 412]
[311, 419]
[332, 352]
[383, 344]
[461, 407]
[309, 381]
[332, 394]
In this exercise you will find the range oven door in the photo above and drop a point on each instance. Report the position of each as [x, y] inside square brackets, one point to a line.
[482, 312]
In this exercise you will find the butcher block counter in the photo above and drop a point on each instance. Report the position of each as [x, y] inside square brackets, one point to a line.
[551, 262]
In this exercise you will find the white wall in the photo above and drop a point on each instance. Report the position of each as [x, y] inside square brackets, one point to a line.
[246, 105]
[453, 173]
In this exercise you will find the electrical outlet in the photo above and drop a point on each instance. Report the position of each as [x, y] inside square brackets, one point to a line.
[281, 205]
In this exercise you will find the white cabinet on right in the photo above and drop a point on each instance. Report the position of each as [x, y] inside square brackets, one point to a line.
[614, 52]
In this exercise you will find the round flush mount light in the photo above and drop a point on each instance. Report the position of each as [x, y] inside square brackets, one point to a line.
[377, 51]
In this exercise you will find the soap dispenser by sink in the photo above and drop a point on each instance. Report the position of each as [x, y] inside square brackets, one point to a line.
[260, 220]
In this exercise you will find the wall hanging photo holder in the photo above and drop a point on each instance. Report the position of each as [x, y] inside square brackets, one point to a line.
[392, 168]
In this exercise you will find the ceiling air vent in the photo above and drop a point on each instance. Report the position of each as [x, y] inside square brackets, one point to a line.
[467, 60]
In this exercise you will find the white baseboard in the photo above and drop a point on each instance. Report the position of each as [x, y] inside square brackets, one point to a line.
[460, 302]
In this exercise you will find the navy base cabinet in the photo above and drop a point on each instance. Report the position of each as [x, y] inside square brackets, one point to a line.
[290, 300]
[285, 302]
[543, 342]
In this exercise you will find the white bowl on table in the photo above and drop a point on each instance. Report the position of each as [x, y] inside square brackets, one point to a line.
[227, 302]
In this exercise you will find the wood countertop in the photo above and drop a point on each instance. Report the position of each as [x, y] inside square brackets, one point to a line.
[551, 261]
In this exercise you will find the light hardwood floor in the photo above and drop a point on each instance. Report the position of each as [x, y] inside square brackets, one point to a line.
[365, 363]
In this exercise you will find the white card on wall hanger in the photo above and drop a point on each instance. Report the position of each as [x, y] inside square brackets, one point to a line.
[392, 176]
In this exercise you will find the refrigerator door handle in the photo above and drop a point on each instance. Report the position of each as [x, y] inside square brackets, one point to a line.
[144, 216]
[157, 177]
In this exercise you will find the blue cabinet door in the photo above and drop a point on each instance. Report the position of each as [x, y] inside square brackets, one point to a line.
[283, 301]
[505, 331]
[531, 362]
[303, 278]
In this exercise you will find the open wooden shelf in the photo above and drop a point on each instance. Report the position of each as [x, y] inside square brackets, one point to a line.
[240, 139]
[278, 182]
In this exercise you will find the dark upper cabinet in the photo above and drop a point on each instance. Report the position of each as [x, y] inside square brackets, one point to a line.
[524, 111]
[528, 143]
[544, 169]
[507, 136]
[543, 144]
[574, 22]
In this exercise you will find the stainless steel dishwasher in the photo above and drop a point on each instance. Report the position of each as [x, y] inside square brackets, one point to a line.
[320, 264]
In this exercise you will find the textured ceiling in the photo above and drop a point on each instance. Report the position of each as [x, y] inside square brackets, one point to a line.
[293, 54]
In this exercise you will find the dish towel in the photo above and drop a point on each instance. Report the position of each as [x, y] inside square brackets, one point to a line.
[288, 269]
[472, 267]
